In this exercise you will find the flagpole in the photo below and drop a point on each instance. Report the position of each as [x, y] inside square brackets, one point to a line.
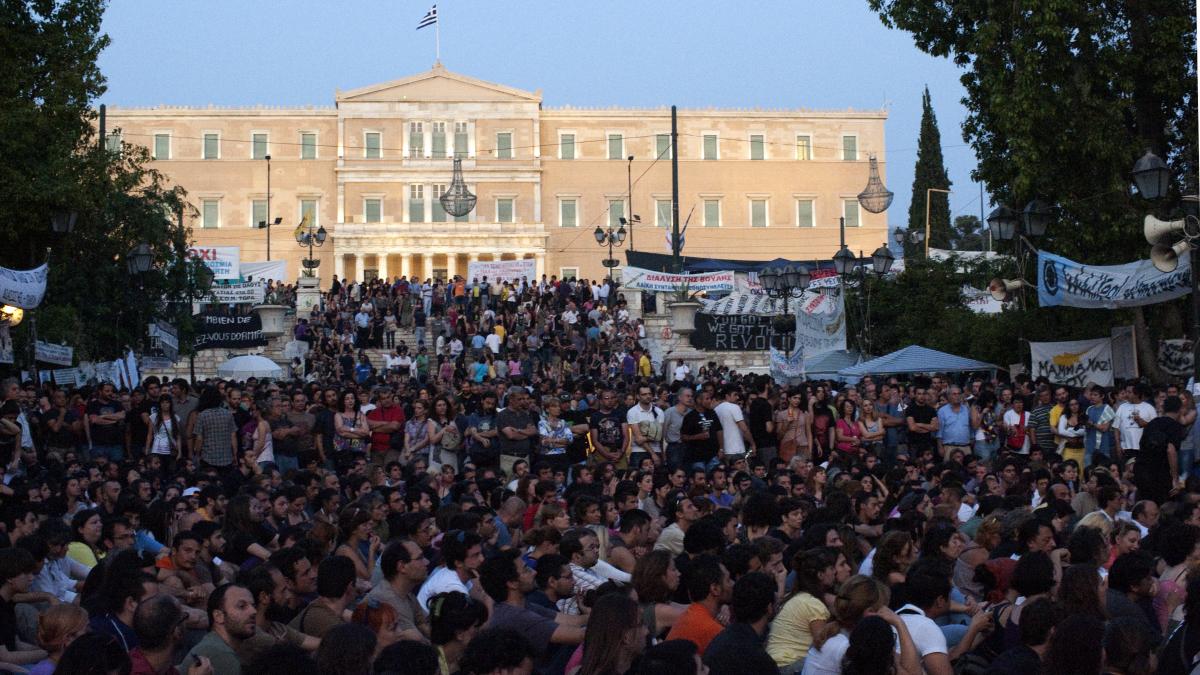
[437, 40]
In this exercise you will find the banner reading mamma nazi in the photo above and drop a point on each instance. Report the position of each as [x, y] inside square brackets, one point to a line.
[1066, 282]
[1074, 363]
[638, 279]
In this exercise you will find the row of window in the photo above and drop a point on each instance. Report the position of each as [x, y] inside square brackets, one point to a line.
[442, 145]
[758, 211]
[421, 211]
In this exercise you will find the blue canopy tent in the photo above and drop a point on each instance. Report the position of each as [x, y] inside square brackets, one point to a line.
[916, 359]
[828, 365]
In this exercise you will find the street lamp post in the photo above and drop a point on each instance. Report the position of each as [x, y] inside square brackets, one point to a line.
[629, 199]
[906, 237]
[848, 266]
[1152, 177]
[783, 283]
[927, 195]
[1005, 223]
[309, 236]
[610, 238]
[138, 263]
[268, 223]
[61, 224]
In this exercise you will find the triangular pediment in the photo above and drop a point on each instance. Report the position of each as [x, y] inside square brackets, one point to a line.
[439, 84]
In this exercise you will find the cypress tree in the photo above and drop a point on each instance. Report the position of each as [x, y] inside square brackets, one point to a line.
[930, 172]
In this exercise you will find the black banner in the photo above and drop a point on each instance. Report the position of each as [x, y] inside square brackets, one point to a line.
[216, 330]
[738, 332]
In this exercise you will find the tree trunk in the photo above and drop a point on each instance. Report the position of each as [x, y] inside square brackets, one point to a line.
[1147, 352]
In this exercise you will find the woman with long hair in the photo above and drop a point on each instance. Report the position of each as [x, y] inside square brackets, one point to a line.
[1081, 591]
[447, 440]
[86, 528]
[793, 427]
[615, 636]
[1179, 548]
[419, 431]
[351, 433]
[870, 427]
[857, 599]
[454, 619]
[814, 485]
[356, 531]
[58, 626]
[823, 424]
[1072, 426]
[1076, 646]
[847, 433]
[276, 518]
[655, 578]
[988, 536]
[245, 535]
[803, 614]
[1125, 538]
[162, 438]
[893, 556]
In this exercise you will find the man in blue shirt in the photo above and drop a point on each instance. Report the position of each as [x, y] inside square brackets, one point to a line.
[954, 425]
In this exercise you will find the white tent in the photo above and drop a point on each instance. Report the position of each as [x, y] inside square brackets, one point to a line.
[242, 367]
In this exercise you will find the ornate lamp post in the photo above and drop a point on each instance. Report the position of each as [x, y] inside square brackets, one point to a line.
[610, 238]
[309, 236]
[783, 283]
[1032, 221]
[138, 262]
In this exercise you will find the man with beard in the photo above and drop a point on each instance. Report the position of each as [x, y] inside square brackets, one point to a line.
[608, 430]
[232, 616]
[106, 418]
[507, 580]
[404, 569]
[177, 572]
[701, 431]
[481, 433]
[323, 414]
[300, 577]
[271, 593]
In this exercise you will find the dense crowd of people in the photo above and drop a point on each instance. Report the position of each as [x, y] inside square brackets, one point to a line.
[523, 491]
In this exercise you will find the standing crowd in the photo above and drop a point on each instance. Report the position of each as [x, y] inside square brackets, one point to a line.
[522, 491]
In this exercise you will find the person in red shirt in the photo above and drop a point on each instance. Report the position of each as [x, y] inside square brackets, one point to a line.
[386, 419]
[709, 588]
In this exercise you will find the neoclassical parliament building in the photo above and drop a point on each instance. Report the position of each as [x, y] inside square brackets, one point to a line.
[755, 184]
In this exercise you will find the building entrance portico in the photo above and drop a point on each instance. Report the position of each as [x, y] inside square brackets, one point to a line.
[434, 250]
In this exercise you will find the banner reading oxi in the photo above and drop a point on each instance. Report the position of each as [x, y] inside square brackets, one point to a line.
[23, 288]
[1065, 282]
[639, 279]
[1075, 363]
[224, 261]
[502, 270]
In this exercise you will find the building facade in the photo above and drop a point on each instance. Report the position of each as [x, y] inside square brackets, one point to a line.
[754, 184]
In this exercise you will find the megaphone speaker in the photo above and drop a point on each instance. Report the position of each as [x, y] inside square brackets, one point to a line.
[1166, 258]
[1157, 230]
[1003, 289]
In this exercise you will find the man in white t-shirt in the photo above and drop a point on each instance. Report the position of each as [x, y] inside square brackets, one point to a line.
[928, 591]
[682, 371]
[1132, 416]
[645, 426]
[733, 425]
[1016, 423]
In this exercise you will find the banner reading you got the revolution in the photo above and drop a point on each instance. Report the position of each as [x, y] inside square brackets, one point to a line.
[1066, 282]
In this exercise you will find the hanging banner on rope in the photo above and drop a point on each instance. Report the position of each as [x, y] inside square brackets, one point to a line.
[820, 322]
[224, 261]
[23, 288]
[785, 366]
[1075, 363]
[1071, 284]
[1175, 357]
[638, 279]
[731, 332]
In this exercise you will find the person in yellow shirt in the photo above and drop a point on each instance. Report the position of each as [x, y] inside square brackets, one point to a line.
[643, 366]
[1061, 396]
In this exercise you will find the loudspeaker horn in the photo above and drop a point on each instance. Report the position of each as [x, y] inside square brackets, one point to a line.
[1003, 289]
[1157, 230]
[1166, 258]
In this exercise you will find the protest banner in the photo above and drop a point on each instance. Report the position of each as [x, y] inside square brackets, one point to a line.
[263, 271]
[820, 322]
[1071, 284]
[502, 270]
[71, 377]
[164, 338]
[23, 288]
[216, 330]
[980, 302]
[1175, 357]
[638, 279]
[1075, 363]
[6, 345]
[731, 332]
[251, 292]
[786, 366]
[224, 261]
[47, 352]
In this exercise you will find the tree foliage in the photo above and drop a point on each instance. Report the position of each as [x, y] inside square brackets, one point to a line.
[1062, 97]
[930, 172]
[966, 234]
[54, 162]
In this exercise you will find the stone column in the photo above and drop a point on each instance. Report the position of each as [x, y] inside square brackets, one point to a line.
[541, 264]
[426, 266]
[451, 264]
[406, 264]
[359, 266]
[339, 266]
[382, 264]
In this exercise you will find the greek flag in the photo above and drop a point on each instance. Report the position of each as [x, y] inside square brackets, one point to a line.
[430, 18]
